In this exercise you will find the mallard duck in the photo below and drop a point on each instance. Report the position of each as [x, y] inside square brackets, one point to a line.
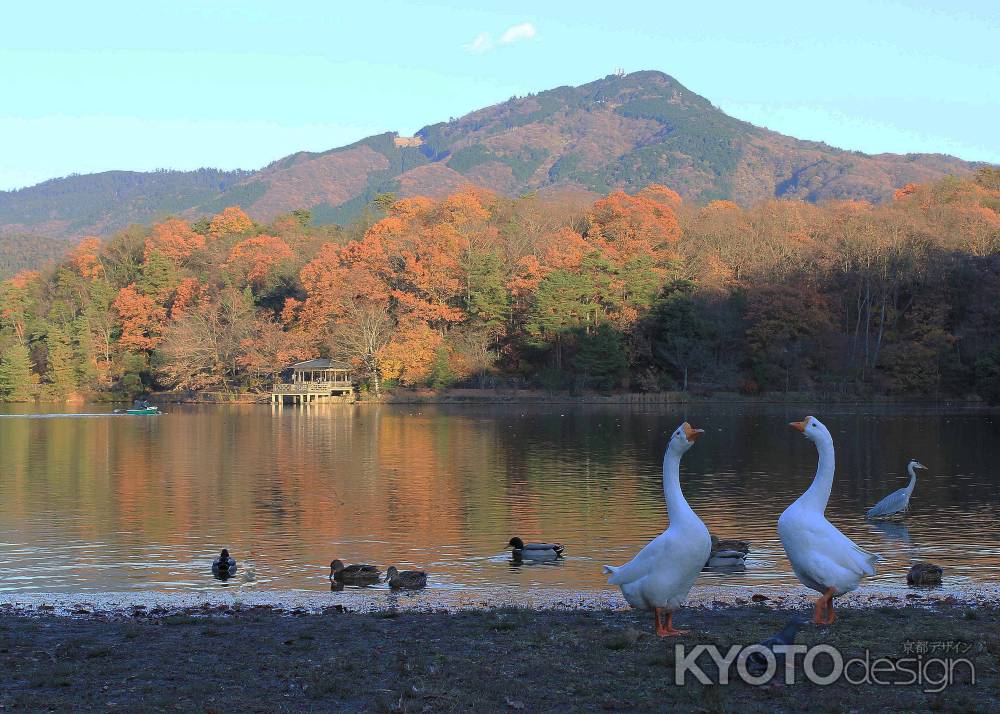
[728, 553]
[822, 557]
[405, 579]
[897, 501]
[534, 551]
[360, 574]
[224, 565]
[660, 576]
[924, 574]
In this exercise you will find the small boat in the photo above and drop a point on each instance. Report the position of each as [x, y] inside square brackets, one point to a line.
[144, 410]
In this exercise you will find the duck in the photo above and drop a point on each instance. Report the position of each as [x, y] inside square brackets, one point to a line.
[924, 574]
[660, 576]
[405, 579]
[534, 551]
[360, 574]
[897, 501]
[728, 553]
[224, 565]
[822, 558]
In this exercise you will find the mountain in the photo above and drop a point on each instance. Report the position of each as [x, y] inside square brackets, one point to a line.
[623, 131]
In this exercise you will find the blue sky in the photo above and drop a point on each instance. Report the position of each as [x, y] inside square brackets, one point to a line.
[89, 87]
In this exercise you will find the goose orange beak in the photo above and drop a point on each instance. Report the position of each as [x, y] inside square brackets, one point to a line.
[692, 434]
[800, 425]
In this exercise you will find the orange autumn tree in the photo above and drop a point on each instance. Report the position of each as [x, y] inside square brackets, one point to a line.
[175, 240]
[232, 221]
[254, 258]
[629, 228]
[347, 305]
[186, 296]
[85, 258]
[409, 356]
[636, 235]
[17, 302]
[661, 194]
[141, 319]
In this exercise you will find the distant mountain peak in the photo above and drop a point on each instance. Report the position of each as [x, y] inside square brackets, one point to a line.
[619, 131]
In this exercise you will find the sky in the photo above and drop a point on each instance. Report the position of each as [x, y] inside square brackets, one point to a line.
[88, 87]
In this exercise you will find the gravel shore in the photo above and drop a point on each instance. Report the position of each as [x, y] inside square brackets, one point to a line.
[431, 651]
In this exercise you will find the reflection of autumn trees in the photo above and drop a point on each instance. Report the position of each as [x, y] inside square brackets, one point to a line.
[432, 484]
[479, 289]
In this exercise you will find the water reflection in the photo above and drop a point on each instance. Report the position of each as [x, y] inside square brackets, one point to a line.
[892, 530]
[125, 503]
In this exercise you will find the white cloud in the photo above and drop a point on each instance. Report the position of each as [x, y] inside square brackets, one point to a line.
[516, 33]
[483, 42]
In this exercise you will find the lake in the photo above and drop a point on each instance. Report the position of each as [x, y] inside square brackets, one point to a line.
[92, 503]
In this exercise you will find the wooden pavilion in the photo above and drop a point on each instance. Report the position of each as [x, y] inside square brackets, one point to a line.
[315, 380]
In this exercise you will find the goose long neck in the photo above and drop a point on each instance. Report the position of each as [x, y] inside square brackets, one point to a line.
[819, 492]
[677, 505]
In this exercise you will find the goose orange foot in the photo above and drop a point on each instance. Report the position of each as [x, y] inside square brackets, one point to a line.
[664, 623]
[823, 612]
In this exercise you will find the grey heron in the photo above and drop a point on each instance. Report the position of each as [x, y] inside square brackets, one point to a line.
[897, 501]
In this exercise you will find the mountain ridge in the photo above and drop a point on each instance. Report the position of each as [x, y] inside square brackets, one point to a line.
[620, 131]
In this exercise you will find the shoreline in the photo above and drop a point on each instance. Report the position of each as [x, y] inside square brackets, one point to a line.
[529, 396]
[502, 660]
[442, 600]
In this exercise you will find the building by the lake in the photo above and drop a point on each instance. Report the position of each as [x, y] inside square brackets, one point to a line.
[315, 380]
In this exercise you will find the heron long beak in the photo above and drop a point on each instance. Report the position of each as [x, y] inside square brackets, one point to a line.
[800, 425]
[692, 434]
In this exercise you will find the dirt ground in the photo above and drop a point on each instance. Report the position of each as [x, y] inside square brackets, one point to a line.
[501, 660]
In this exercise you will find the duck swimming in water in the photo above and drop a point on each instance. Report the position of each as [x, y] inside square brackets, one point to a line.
[405, 579]
[534, 551]
[728, 554]
[224, 565]
[360, 574]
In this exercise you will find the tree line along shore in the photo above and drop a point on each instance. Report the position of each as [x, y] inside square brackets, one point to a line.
[558, 293]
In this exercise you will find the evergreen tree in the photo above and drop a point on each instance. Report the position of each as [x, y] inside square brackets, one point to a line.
[680, 336]
[159, 275]
[561, 305]
[86, 366]
[15, 373]
[488, 298]
[600, 360]
[442, 375]
[61, 373]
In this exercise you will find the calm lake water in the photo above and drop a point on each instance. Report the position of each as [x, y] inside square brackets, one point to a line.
[109, 503]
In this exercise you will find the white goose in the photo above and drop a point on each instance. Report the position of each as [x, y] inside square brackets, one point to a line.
[660, 576]
[822, 557]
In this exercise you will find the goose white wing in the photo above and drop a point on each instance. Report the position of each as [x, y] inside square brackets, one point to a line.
[642, 563]
[820, 551]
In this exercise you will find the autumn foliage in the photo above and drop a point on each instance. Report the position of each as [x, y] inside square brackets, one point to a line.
[174, 239]
[635, 291]
[141, 319]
